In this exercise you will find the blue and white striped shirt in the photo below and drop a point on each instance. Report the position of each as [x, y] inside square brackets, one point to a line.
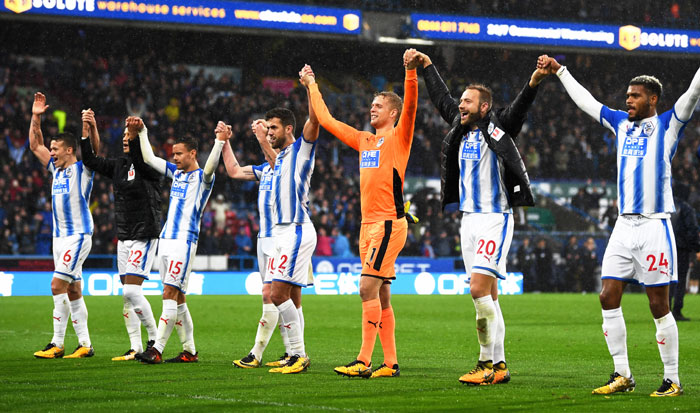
[481, 187]
[70, 195]
[291, 179]
[189, 194]
[645, 149]
[263, 173]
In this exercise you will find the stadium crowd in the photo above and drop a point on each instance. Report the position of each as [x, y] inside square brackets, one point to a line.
[557, 142]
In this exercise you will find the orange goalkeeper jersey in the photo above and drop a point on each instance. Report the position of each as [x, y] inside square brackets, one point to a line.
[383, 158]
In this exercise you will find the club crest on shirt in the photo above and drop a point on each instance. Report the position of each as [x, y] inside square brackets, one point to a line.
[490, 128]
[131, 174]
[380, 142]
[648, 128]
[69, 172]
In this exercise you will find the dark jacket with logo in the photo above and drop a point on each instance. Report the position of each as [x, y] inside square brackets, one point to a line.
[137, 202]
[499, 128]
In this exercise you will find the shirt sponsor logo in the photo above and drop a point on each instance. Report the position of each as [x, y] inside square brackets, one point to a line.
[634, 147]
[179, 189]
[60, 186]
[471, 151]
[266, 183]
[370, 159]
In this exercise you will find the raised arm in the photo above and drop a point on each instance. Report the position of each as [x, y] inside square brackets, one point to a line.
[437, 90]
[259, 128]
[346, 133]
[36, 138]
[136, 129]
[233, 168]
[686, 104]
[311, 127]
[215, 154]
[92, 129]
[90, 160]
[581, 97]
[407, 120]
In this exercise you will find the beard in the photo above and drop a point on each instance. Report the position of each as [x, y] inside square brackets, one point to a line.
[470, 119]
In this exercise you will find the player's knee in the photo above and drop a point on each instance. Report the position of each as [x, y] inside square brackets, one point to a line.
[131, 293]
[658, 306]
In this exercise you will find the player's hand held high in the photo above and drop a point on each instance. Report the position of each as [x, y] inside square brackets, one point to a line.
[306, 76]
[39, 106]
[259, 129]
[36, 138]
[134, 125]
[544, 69]
[223, 131]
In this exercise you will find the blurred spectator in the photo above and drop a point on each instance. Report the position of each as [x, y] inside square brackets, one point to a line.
[685, 230]
[544, 266]
[571, 277]
[426, 246]
[589, 266]
[525, 261]
[443, 245]
[324, 243]
[244, 243]
[341, 245]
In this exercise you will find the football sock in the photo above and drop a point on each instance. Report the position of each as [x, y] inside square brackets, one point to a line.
[133, 326]
[142, 308]
[371, 316]
[615, 333]
[166, 323]
[485, 325]
[186, 328]
[79, 315]
[667, 340]
[290, 320]
[266, 326]
[61, 311]
[499, 352]
[301, 325]
[387, 337]
[283, 334]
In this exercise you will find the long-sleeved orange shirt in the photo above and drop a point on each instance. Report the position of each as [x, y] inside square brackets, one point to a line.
[383, 159]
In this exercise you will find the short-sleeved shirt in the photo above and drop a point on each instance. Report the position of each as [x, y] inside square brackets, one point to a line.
[70, 195]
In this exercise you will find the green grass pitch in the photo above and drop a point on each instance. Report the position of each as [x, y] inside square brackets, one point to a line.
[554, 346]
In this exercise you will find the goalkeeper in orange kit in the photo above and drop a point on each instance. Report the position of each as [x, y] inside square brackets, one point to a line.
[383, 157]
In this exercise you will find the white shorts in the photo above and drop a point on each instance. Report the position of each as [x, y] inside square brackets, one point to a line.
[485, 239]
[642, 251]
[266, 249]
[69, 254]
[135, 257]
[294, 246]
[175, 259]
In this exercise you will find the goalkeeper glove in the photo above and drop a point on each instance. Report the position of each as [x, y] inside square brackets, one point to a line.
[412, 219]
